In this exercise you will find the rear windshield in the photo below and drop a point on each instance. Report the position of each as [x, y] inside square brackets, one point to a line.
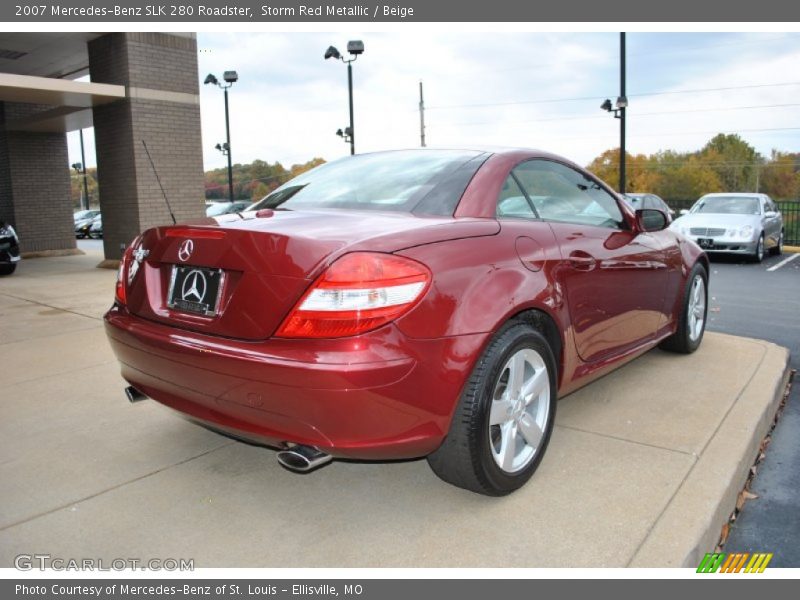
[728, 205]
[387, 181]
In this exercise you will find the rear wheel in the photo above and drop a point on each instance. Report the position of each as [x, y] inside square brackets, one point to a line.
[692, 321]
[778, 249]
[8, 269]
[505, 416]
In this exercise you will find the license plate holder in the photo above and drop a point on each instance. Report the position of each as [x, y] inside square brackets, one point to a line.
[195, 290]
[705, 242]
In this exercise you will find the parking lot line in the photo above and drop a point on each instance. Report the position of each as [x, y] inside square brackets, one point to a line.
[785, 261]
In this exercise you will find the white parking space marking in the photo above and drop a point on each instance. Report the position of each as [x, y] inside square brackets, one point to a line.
[785, 261]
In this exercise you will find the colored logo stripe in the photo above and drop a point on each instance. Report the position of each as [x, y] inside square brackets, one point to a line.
[734, 563]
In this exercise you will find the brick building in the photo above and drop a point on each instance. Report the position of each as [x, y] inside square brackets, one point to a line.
[144, 87]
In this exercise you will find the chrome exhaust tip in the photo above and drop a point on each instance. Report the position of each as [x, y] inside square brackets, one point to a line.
[134, 395]
[303, 459]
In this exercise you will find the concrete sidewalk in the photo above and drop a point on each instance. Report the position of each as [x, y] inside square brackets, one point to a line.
[643, 468]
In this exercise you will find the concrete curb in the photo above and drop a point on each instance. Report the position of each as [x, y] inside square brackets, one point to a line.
[691, 523]
[793, 249]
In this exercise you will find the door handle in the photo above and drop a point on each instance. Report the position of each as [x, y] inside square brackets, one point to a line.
[582, 261]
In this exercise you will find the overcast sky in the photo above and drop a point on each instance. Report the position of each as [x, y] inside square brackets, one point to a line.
[536, 90]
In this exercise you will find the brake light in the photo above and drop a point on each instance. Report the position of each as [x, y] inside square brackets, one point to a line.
[357, 293]
[120, 293]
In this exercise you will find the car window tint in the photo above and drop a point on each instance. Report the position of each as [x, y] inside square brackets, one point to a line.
[560, 193]
[512, 201]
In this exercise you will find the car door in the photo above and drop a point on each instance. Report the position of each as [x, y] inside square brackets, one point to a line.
[613, 279]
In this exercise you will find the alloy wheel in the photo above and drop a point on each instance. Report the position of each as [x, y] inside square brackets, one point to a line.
[697, 308]
[519, 410]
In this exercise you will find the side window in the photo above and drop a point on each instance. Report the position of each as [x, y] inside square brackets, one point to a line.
[512, 202]
[560, 193]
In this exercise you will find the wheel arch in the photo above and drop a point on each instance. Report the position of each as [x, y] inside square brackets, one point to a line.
[544, 323]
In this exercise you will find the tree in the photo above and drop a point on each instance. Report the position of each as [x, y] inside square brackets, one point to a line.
[734, 161]
[780, 177]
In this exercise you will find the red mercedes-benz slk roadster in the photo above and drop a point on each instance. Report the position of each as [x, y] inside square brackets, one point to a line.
[420, 303]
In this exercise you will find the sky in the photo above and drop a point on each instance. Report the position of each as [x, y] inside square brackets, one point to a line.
[536, 90]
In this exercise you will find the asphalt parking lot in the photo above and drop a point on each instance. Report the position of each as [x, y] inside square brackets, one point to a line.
[638, 472]
[763, 301]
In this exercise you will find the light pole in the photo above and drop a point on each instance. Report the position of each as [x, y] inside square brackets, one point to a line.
[230, 78]
[619, 111]
[354, 47]
[80, 169]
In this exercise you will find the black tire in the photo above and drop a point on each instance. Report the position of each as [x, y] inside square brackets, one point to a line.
[758, 256]
[466, 457]
[8, 269]
[682, 341]
[778, 249]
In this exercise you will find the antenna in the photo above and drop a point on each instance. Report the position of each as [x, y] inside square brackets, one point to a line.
[152, 164]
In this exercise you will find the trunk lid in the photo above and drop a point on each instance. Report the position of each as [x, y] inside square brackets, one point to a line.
[266, 262]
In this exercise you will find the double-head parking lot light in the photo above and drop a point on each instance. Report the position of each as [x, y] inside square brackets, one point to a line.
[354, 48]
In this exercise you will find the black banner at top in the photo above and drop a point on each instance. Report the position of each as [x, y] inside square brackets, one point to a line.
[298, 11]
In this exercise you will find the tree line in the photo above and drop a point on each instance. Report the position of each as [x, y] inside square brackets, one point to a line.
[726, 163]
[254, 180]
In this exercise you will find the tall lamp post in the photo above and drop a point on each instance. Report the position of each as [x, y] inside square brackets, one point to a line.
[619, 112]
[230, 78]
[354, 47]
[80, 169]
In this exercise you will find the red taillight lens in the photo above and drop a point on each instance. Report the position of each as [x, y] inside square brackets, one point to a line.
[357, 293]
[122, 276]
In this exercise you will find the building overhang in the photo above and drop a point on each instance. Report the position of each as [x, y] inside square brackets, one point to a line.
[67, 104]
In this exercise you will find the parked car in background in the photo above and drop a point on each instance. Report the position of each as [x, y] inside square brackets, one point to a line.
[83, 215]
[405, 304]
[83, 226]
[96, 228]
[748, 224]
[9, 249]
[641, 200]
[224, 208]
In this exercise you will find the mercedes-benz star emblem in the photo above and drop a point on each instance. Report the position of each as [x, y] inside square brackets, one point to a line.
[185, 250]
[194, 286]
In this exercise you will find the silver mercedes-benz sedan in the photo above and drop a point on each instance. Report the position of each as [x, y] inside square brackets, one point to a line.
[742, 223]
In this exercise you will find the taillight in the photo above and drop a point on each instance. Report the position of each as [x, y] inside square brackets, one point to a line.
[357, 293]
[120, 294]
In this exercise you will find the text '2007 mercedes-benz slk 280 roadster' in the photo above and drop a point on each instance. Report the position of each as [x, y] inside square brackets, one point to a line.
[420, 303]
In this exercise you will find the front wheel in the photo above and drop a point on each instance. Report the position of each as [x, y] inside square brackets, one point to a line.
[692, 320]
[504, 418]
[8, 268]
[758, 256]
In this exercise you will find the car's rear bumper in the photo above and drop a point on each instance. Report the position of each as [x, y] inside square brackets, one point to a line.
[376, 396]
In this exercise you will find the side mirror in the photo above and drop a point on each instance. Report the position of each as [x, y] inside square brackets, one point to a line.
[684, 211]
[650, 219]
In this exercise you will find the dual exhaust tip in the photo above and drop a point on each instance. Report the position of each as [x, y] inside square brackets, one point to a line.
[300, 459]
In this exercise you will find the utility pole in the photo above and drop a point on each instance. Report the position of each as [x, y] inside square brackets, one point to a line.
[421, 117]
[623, 109]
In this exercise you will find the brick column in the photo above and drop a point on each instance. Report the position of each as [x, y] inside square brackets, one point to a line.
[162, 108]
[34, 185]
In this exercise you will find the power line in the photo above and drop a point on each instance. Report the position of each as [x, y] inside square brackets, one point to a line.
[680, 50]
[581, 118]
[642, 94]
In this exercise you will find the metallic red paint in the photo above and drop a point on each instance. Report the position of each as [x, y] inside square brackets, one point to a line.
[610, 295]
